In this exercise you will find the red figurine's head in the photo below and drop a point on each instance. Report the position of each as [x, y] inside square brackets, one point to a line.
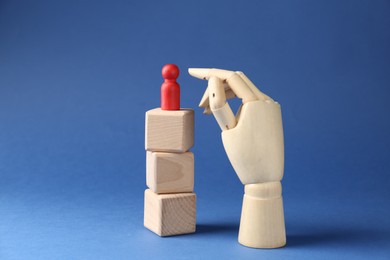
[170, 72]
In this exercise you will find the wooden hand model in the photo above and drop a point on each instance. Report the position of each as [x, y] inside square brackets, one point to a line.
[253, 141]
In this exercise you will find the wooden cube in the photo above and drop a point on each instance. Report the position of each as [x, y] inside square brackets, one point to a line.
[170, 172]
[170, 214]
[169, 130]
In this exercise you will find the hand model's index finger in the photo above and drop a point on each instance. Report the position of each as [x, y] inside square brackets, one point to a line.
[204, 102]
[236, 83]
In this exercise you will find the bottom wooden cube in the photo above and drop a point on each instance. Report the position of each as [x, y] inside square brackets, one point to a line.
[170, 214]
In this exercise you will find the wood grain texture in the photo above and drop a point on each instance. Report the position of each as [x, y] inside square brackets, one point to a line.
[262, 216]
[170, 214]
[169, 131]
[170, 172]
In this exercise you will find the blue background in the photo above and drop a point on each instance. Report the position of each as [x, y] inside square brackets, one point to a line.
[76, 78]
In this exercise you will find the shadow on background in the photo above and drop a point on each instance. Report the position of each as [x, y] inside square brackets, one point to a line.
[231, 228]
[341, 237]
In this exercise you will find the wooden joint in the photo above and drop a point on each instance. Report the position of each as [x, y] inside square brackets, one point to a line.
[266, 190]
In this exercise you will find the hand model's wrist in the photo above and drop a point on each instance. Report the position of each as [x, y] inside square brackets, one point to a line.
[265, 190]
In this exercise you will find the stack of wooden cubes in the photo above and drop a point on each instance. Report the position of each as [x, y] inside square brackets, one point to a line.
[170, 203]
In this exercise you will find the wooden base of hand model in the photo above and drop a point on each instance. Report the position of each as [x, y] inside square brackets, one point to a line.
[253, 141]
[262, 218]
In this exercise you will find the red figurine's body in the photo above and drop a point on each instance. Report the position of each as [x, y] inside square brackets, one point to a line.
[170, 89]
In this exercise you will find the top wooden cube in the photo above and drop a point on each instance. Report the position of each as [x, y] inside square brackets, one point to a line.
[169, 130]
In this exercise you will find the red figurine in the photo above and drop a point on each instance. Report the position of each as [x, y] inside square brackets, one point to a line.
[170, 89]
